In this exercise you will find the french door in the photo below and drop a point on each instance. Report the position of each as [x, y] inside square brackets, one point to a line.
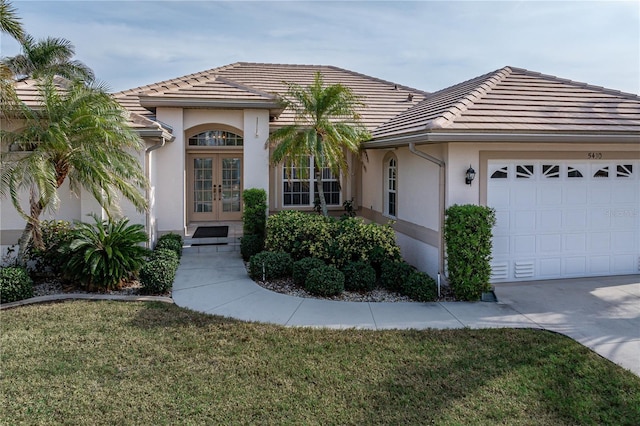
[215, 187]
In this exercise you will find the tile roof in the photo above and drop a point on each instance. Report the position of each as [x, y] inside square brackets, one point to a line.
[517, 100]
[244, 81]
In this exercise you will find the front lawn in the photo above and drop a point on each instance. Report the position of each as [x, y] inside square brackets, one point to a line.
[152, 363]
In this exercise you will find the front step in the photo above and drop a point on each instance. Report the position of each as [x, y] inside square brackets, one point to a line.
[211, 245]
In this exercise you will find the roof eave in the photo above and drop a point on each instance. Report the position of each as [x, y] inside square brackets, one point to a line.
[157, 101]
[422, 138]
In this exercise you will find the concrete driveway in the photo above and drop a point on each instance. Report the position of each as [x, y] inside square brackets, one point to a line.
[602, 313]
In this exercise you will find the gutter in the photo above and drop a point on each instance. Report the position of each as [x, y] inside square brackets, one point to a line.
[441, 195]
[423, 138]
[148, 151]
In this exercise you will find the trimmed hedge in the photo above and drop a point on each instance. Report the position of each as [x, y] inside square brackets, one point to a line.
[15, 284]
[302, 267]
[394, 274]
[164, 254]
[325, 281]
[254, 214]
[359, 276]
[269, 265]
[251, 244]
[467, 234]
[157, 276]
[336, 242]
[300, 234]
[421, 287]
[171, 241]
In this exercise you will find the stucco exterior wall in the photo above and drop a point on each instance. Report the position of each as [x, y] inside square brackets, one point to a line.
[169, 177]
[256, 153]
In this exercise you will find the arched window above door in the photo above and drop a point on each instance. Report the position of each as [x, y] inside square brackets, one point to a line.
[216, 138]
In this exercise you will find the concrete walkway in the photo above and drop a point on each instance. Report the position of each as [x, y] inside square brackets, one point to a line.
[606, 321]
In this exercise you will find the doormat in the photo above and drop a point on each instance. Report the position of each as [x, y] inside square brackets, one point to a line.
[211, 232]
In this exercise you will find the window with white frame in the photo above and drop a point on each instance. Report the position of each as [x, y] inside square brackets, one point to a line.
[299, 186]
[391, 186]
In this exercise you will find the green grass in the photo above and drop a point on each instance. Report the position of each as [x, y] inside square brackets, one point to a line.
[151, 363]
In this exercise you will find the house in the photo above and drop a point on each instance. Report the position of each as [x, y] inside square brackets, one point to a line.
[558, 160]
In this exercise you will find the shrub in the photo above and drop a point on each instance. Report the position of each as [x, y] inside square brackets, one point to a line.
[15, 284]
[421, 287]
[254, 215]
[55, 235]
[359, 276]
[394, 274]
[251, 244]
[467, 234]
[325, 281]
[269, 265]
[357, 241]
[157, 276]
[171, 241]
[302, 267]
[300, 234]
[164, 254]
[104, 254]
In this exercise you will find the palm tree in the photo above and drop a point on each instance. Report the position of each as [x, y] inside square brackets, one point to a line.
[9, 24]
[326, 125]
[46, 58]
[77, 132]
[9, 21]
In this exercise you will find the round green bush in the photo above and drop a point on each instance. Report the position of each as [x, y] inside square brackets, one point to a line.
[268, 265]
[325, 281]
[302, 267]
[420, 287]
[156, 276]
[15, 284]
[164, 254]
[251, 244]
[171, 241]
[359, 276]
[393, 274]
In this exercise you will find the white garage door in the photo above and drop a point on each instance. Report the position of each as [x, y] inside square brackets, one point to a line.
[558, 219]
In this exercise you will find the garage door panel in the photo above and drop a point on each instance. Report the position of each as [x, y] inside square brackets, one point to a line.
[524, 244]
[574, 219]
[549, 267]
[549, 244]
[574, 266]
[524, 221]
[576, 195]
[549, 195]
[599, 264]
[565, 219]
[549, 220]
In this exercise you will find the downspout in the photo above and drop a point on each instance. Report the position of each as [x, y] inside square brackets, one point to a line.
[163, 142]
[441, 190]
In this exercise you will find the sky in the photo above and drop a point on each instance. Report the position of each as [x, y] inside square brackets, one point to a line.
[428, 45]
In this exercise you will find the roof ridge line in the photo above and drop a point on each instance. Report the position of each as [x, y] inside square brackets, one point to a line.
[380, 80]
[456, 110]
[578, 83]
[151, 86]
[244, 87]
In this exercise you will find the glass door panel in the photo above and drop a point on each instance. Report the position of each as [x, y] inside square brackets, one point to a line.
[215, 187]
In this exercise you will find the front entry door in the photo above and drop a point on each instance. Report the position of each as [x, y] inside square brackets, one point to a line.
[215, 187]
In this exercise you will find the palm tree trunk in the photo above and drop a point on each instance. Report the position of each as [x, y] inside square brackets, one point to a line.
[323, 201]
[32, 229]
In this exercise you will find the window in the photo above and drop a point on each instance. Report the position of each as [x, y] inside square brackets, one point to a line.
[501, 173]
[297, 188]
[216, 138]
[551, 171]
[391, 186]
[624, 170]
[524, 171]
[572, 172]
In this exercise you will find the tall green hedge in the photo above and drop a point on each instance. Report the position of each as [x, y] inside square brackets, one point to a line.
[467, 234]
[254, 221]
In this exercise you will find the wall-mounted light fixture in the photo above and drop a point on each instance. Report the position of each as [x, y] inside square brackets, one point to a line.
[470, 175]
